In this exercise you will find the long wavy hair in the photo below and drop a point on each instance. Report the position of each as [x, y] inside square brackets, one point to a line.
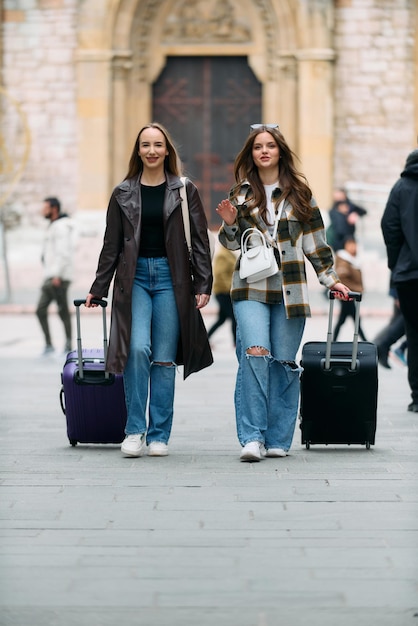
[172, 162]
[293, 184]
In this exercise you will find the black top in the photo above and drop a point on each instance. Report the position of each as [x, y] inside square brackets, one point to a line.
[341, 229]
[152, 243]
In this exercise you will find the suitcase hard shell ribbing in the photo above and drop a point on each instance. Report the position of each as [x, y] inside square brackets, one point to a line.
[92, 400]
[339, 384]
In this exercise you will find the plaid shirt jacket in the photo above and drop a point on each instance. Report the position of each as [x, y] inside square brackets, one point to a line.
[295, 241]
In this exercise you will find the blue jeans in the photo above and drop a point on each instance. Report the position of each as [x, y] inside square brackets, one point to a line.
[154, 338]
[267, 387]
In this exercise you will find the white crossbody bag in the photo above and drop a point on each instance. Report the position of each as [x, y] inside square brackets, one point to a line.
[258, 260]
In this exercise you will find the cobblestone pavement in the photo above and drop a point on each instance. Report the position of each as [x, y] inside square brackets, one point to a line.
[322, 537]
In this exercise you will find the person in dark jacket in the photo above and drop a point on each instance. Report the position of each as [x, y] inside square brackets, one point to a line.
[340, 228]
[343, 215]
[156, 322]
[400, 232]
[340, 195]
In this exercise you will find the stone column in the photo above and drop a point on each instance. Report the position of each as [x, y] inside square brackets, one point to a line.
[93, 109]
[122, 142]
[286, 99]
[315, 120]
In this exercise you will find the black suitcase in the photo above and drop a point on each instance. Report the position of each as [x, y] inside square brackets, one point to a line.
[338, 402]
[92, 399]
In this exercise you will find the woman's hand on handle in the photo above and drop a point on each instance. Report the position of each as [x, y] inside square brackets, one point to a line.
[89, 304]
[341, 291]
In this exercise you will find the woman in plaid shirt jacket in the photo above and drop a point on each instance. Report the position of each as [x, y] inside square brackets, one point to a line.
[271, 313]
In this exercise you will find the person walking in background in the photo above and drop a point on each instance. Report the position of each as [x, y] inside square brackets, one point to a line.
[339, 228]
[355, 211]
[271, 313]
[223, 268]
[349, 271]
[58, 266]
[400, 232]
[390, 334]
[156, 322]
[343, 215]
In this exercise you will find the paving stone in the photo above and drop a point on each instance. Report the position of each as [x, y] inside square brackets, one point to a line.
[325, 536]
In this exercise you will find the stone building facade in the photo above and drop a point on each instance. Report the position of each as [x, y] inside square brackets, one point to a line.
[39, 43]
[77, 76]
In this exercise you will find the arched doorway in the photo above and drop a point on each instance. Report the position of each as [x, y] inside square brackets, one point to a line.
[287, 50]
[208, 104]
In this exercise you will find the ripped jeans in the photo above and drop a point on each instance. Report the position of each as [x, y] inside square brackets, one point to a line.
[151, 368]
[267, 386]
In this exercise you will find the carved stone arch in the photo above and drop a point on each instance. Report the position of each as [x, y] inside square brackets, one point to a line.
[254, 31]
[123, 45]
[148, 31]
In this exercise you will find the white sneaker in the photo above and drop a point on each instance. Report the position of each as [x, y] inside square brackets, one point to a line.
[157, 448]
[133, 445]
[276, 452]
[252, 451]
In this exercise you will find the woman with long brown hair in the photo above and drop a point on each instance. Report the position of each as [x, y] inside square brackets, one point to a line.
[156, 321]
[271, 313]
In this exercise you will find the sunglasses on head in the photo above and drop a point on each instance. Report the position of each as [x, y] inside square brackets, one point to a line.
[257, 126]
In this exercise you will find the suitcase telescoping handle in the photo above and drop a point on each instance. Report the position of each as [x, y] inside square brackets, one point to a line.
[77, 304]
[355, 295]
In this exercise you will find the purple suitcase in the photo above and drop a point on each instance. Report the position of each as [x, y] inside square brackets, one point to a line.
[92, 400]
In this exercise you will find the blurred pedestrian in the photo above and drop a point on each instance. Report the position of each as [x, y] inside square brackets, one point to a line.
[390, 334]
[271, 195]
[58, 266]
[348, 269]
[340, 195]
[400, 232]
[343, 216]
[223, 267]
[157, 296]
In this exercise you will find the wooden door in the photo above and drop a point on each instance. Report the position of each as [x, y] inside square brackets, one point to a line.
[207, 104]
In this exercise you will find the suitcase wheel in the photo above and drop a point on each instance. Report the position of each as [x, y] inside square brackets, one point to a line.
[367, 445]
[307, 445]
[73, 442]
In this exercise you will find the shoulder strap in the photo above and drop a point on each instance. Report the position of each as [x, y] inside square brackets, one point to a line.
[186, 220]
[185, 211]
[272, 239]
[277, 219]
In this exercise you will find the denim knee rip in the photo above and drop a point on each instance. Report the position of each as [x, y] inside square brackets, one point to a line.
[267, 355]
[266, 399]
[164, 363]
[288, 365]
[292, 365]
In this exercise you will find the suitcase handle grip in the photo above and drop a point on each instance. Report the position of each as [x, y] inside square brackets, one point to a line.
[100, 302]
[355, 295]
[77, 303]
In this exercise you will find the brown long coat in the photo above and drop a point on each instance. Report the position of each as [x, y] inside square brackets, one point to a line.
[119, 257]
